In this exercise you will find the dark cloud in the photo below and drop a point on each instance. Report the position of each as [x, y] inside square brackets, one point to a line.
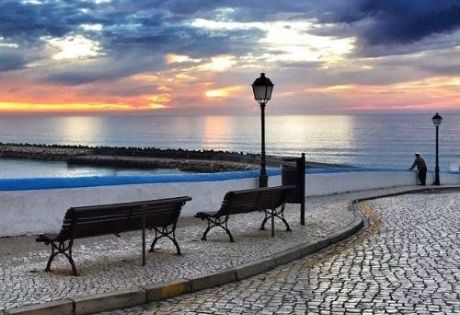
[129, 28]
[123, 89]
[180, 40]
[164, 27]
[376, 22]
[101, 69]
[399, 21]
[75, 77]
[161, 22]
[11, 60]
[27, 22]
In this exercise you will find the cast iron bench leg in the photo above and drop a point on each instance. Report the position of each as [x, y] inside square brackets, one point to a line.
[271, 214]
[62, 249]
[280, 214]
[217, 222]
[165, 233]
[177, 245]
[50, 260]
[262, 226]
[203, 238]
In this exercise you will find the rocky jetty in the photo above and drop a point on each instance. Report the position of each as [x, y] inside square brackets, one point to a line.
[149, 157]
[186, 165]
[41, 152]
[133, 157]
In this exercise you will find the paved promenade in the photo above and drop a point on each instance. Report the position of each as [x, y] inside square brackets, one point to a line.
[408, 262]
[110, 263]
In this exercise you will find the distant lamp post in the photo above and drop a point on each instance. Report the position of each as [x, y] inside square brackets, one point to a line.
[262, 88]
[437, 119]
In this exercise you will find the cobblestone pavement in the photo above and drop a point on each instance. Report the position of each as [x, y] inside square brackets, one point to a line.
[408, 262]
[110, 263]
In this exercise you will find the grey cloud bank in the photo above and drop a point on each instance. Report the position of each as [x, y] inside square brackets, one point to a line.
[394, 40]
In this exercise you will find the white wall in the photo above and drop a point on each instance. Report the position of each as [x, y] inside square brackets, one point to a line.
[39, 211]
[332, 183]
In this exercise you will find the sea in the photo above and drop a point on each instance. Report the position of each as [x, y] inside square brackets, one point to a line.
[365, 140]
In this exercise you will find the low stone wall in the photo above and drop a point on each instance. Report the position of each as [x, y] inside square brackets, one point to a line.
[38, 211]
[36, 206]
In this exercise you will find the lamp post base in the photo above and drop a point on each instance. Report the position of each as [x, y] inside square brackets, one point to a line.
[263, 180]
[436, 177]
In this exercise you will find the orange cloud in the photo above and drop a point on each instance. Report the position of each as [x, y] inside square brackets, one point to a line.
[20, 107]
[224, 92]
[426, 94]
[173, 58]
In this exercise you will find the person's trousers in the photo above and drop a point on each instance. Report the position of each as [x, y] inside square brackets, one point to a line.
[422, 176]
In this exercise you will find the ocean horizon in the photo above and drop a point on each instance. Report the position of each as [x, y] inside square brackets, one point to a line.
[369, 140]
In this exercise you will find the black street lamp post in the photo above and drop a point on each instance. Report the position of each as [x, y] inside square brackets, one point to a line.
[262, 88]
[437, 119]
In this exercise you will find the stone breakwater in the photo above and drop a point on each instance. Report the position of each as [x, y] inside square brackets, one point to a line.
[151, 158]
[187, 165]
[44, 153]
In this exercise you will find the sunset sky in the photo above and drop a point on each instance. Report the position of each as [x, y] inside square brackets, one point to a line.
[200, 57]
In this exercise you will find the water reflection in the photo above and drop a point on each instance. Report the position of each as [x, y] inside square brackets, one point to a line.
[78, 129]
[216, 131]
[11, 168]
[309, 133]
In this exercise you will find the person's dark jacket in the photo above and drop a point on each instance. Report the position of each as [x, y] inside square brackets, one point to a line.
[419, 162]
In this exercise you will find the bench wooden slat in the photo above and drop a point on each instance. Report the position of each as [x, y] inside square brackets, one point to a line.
[271, 200]
[125, 214]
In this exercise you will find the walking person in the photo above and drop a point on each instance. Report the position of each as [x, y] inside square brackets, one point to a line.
[421, 168]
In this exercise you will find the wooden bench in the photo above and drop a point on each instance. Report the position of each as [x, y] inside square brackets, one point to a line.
[270, 200]
[80, 222]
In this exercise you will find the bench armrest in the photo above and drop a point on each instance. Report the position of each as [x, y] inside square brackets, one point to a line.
[47, 238]
[204, 215]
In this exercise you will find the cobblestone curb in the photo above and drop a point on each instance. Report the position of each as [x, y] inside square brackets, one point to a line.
[357, 205]
[64, 307]
[159, 291]
[405, 192]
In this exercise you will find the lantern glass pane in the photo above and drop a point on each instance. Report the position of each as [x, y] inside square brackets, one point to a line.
[259, 92]
[269, 92]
